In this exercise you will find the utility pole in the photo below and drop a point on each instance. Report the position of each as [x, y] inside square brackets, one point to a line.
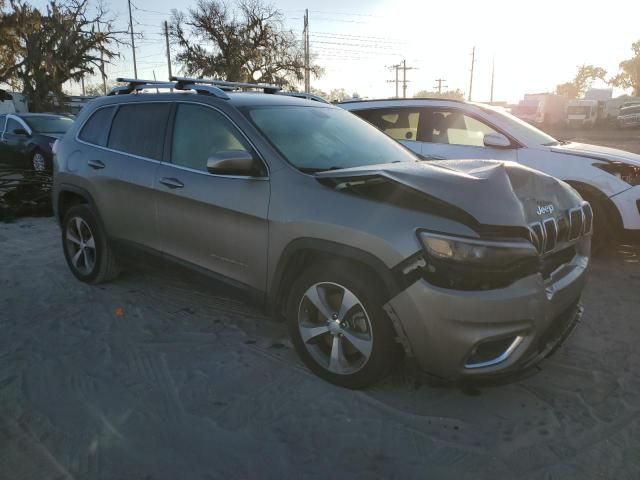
[166, 37]
[133, 43]
[473, 62]
[102, 74]
[396, 81]
[404, 77]
[493, 74]
[82, 83]
[440, 81]
[307, 79]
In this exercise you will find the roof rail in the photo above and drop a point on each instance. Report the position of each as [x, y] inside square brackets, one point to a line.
[307, 96]
[134, 84]
[225, 85]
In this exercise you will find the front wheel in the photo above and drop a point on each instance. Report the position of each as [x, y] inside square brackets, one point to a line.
[39, 162]
[338, 326]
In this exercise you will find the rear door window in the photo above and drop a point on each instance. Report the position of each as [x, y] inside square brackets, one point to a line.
[398, 123]
[454, 128]
[96, 129]
[139, 129]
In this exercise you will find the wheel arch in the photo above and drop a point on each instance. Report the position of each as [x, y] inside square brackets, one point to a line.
[591, 194]
[303, 251]
[69, 195]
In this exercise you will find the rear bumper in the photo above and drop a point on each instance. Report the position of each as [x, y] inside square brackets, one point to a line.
[442, 328]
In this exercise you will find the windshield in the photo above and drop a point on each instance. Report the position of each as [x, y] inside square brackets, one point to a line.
[48, 123]
[319, 138]
[520, 129]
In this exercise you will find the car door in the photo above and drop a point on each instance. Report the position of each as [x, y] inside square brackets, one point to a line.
[400, 123]
[15, 141]
[121, 173]
[216, 222]
[447, 133]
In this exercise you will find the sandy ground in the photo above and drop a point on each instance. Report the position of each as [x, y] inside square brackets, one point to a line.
[191, 383]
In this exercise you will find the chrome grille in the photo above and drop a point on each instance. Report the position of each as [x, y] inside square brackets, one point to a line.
[546, 235]
[550, 234]
[576, 223]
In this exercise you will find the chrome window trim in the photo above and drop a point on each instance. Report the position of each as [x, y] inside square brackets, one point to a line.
[499, 359]
[170, 163]
[20, 121]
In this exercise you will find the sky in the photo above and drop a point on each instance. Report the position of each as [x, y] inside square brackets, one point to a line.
[535, 45]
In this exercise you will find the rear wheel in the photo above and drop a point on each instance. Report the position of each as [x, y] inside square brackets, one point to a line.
[338, 326]
[86, 248]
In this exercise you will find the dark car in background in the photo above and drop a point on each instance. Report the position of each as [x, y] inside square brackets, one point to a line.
[26, 139]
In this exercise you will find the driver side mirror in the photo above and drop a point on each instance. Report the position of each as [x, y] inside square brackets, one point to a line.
[235, 162]
[496, 140]
[20, 131]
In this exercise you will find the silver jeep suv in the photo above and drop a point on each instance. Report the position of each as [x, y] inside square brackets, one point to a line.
[473, 268]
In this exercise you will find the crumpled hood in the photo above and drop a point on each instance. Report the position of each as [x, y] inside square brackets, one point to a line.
[492, 192]
[598, 153]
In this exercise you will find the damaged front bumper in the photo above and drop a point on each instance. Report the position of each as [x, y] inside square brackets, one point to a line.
[454, 334]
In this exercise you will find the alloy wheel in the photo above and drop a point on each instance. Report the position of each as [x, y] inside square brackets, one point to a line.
[81, 245]
[39, 162]
[335, 328]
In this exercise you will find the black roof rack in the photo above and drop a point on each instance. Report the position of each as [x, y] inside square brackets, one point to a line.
[219, 88]
[135, 84]
[225, 85]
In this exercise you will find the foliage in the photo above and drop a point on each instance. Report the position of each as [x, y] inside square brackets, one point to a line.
[39, 52]
[629, 75]
[243, 43]
[585, 76]
[456, 94]
[96, 89]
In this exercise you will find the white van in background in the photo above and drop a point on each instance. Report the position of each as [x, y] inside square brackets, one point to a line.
[11, 102]
[540, 109]
[582, 113]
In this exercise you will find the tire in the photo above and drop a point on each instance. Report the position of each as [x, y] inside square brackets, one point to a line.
[86, 248]
[329, 350]
[39, 162]
[603, 230]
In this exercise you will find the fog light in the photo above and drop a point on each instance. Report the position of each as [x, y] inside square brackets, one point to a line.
[492, 352]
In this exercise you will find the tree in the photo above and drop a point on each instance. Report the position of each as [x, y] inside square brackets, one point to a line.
[585, 76]
[456, 94]
[244, 43]
[96, 89]
[629, 75]
[42, 51]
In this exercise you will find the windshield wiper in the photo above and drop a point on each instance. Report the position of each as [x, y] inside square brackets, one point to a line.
[316, 170]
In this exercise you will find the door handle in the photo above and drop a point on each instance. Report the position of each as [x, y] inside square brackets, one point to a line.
[171, 182]
[96, 164]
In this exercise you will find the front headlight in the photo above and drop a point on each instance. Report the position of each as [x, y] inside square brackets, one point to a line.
[481, 253]
[627, 173]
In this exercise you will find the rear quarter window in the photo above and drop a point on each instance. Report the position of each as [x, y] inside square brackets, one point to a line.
[96, 129]
[140, 129]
